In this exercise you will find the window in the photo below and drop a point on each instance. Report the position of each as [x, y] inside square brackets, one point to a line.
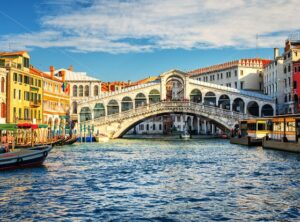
[235, 84]
[19, 94]
[75, 91]
[147, 127]
[20, 78]
[15, 112]
[39, 83]
[2, 85]
[81, 91]
[242, 84]
[141, 127]
[241, 72]
[289, 68]
[160, 127]
[153, 126]
[26, 62]
[295, 85]
[285, 85]
[289, 81]
[284, 70]
[86, 91]
[235, 72]
[15, 77]
[15, 93]
[26, 79]
[20, 113]
[298, 68]
[221, 75]
[96, 90]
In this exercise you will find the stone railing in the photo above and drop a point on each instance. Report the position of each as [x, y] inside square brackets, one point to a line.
[181, 107]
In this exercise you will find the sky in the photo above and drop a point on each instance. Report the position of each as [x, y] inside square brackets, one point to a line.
[121, 40]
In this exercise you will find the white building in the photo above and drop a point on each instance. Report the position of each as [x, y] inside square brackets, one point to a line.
[275, 82]
[3, 109]
[82, 87]
[243, 74]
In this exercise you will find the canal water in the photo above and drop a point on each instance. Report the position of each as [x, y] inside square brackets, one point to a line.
[149, 180]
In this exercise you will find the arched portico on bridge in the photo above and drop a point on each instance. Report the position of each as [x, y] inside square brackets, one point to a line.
[174, 86]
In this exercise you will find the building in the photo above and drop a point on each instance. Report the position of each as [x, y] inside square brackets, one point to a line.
[275, 82]
[24, 89]
[56, 100]
[82, 87]
[245, 74]
[296, 85]
[3, 95]
[291, 54]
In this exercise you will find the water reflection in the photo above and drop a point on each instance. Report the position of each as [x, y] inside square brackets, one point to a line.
[132, 180]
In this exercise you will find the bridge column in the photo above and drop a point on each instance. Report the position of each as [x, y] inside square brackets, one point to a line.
[198, 125]
[205, 126]
[213, 129]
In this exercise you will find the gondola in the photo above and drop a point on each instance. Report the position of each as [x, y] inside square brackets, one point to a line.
[24, 158]
[70, 141]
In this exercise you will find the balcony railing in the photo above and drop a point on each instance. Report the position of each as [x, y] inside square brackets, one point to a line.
[35, 103]
[9, 64]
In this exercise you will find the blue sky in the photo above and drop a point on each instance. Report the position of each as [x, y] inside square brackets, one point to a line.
[132, 39]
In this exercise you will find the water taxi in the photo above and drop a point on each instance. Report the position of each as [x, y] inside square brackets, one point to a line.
[285, 134]
[250, 132]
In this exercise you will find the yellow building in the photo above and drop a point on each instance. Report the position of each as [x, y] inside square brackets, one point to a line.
[56, 99]
[24, 89]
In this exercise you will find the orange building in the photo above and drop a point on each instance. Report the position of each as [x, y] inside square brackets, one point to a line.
[56, 99]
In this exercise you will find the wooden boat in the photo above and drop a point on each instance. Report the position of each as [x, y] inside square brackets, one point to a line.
[250, 132]
[70, 141]
[24, 157]
[285, 134]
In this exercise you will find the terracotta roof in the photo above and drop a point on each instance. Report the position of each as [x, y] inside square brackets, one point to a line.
[146, 80]
[38, 72]
[20, 53]
[251, 62]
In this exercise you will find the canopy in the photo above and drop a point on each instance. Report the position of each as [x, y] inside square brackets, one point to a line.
[8, 126]
[27, 126]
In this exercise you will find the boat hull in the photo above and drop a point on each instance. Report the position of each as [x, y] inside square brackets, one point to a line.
[246, 141]
[24, 158]
[283, 146]
[100, 139]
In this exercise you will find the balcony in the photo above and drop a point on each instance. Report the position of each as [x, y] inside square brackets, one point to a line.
[35, 103]
[9, 64]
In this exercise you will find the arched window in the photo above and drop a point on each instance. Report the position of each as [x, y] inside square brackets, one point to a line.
[196, 96]
[2, 85]
[154, 96]
[86, 91]
[140, 100]
[81, 91]
[112, 107]
[96, 90]
[85, 114]
[75, 91]
[126, 104]
[99, 110]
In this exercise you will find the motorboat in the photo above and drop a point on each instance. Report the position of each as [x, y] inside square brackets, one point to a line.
[185, 136]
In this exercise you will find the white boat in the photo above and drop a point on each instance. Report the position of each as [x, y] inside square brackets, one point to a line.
[101, 138]
[185, 136]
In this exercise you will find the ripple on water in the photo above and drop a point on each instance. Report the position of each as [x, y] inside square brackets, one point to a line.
[134, 180]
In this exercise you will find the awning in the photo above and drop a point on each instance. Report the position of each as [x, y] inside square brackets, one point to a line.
[43, 125]
[8, 126]
[27, 126]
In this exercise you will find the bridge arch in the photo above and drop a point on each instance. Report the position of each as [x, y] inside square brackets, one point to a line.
[196, 96]
[253, 108]
[238, 105]
[140, 100]
[99, 110]
[112, 107]
[224, 102]
[175, 88]
[154, 96]
[126, 104]
[210, 99]
[85, 114]
[267, 110]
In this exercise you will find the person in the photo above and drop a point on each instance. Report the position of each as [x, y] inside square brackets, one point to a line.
[3, 149]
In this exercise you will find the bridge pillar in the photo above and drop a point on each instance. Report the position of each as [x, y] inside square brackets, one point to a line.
[198, 125]
[205, 127]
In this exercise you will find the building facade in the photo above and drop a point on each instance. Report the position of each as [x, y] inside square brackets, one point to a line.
[3, 75]
[243, 74]
[56, 100]
[24, 89]
[296, 85]
[82, 87]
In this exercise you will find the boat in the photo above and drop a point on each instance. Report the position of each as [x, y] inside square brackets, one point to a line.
[24, 157]
[285, 134]
[70, 140]
[101, 138]
[185, 134]
[250, 132]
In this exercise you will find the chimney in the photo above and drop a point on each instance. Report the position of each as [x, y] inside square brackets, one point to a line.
[52, 70]
[63, 75]
[129, 82]
[276, 53]
[70, 68]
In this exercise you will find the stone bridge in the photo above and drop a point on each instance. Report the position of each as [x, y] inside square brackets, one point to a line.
[173, 92]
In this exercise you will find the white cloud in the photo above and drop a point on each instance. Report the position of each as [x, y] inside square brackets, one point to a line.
[112, 25]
